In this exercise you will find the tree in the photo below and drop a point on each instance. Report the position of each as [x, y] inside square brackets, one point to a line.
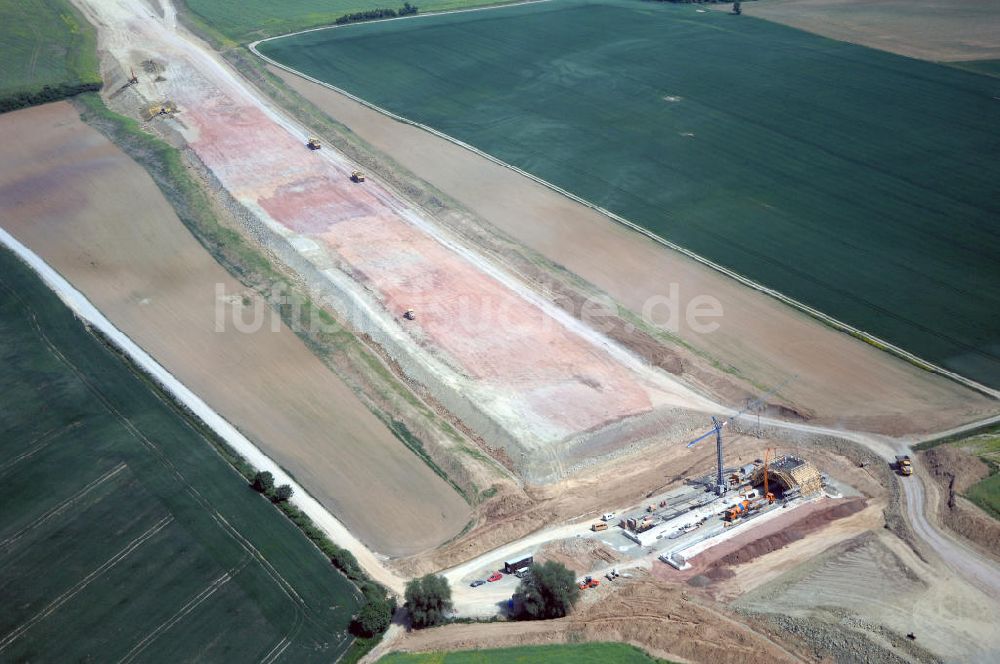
[283, 493]
[549, 591]
[374, 617]
[428, 598]
[263, 481]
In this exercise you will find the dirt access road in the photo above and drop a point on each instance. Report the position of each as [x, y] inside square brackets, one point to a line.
[953, 554]
[95, 216]
[981, 572]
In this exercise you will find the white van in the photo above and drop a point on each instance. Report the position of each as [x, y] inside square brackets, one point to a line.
[608, 516]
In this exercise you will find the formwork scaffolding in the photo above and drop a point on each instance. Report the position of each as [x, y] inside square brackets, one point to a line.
[792, 473]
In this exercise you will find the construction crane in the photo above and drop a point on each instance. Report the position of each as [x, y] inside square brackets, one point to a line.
[720, 481]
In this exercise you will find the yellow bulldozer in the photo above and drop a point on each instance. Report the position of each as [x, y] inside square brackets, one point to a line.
[159, 108]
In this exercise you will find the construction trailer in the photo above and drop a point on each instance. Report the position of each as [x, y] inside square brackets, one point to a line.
[517, 564]
[640, 524]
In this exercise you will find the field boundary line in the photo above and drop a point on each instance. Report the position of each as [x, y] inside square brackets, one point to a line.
[870, 339]
[38, 444]
[187, 608]
[85, 581]
[502, 5]
[276, 652]
[61, 507]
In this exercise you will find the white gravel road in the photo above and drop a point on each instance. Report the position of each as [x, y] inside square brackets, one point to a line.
[982, 573]
[88, 313]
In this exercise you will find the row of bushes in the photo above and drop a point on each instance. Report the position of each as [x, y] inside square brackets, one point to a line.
[48, 93]
[377, 13]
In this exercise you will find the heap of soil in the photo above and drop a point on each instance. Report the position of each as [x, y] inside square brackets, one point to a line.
[580, 555]
[955, 465]
[772, 542]
[954, 470]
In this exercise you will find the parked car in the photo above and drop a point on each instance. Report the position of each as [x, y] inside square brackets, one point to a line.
[477, 583]
[495, 576]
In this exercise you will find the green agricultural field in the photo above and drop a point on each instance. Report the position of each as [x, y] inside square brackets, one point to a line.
[45, 43]
[582, 653]
[247, 20]
[124, 536]
[864, 184]
[986, 492]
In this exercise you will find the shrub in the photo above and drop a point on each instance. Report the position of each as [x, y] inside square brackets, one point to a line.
[428, 598]
[549, 591]
[374, 617]
[263, 481]
[283, 493]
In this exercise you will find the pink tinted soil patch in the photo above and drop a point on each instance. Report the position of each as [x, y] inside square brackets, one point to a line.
[536, 371]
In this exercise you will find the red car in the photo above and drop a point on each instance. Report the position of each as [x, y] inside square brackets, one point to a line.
[495, 576]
